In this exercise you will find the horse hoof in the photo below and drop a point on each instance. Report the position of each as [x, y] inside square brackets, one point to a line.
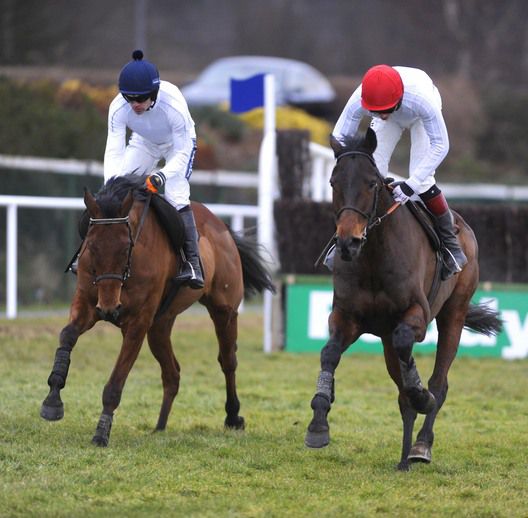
[403, 466]
[102, 442]
[317, 439]
[52, 413]
[237, 423]
[420, 452]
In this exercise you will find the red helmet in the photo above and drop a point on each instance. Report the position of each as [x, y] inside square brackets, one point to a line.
[381, 89]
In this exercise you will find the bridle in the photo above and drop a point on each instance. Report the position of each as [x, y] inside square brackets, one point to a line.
[371, 217]
[131, 242]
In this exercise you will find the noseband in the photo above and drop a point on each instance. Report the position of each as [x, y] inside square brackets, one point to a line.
[131, 242]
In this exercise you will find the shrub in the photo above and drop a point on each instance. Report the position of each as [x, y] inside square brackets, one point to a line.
[37, 124]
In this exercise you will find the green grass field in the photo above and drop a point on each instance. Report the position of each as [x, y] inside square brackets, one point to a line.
[195, 468]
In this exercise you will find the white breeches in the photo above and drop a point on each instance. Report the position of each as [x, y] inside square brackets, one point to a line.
[142, 157]
[388, 134]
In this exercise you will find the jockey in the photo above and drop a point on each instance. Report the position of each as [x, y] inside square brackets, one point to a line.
[399, 98]
[161, 128]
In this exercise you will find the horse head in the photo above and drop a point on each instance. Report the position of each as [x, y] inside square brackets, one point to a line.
[109, 246]
[357, 186]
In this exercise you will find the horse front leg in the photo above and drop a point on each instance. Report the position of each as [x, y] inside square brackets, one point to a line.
[82, 318]
[161, 347]
[409, 330]
[408, 414]
[341, 336]
[132, 341]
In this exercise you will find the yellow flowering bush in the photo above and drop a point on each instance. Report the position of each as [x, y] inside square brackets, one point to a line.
[292, 118]
[72, 91]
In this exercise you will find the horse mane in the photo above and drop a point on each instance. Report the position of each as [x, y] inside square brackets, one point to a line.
[363, 144]
[113, 192]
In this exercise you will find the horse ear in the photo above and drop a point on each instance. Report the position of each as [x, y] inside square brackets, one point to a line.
[371, 140]
[91, 204]
[336, 146]
[127, 204]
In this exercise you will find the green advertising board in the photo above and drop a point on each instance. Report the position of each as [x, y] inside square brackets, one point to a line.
[308, 307]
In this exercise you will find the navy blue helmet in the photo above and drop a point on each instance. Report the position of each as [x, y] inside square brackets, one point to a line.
[139, 77]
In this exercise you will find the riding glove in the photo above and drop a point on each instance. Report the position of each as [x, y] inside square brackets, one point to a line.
[155, 182]
[401, 192]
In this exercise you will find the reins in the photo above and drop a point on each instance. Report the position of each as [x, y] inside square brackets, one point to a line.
[131, 241]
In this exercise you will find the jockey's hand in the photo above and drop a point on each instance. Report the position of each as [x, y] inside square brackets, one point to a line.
[155, 182]
[401, 192]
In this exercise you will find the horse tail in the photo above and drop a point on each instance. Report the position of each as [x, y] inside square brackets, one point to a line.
[257, 277]
[482, 319]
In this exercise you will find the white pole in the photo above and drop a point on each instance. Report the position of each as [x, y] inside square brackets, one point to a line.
[266, 195]
[11, 267]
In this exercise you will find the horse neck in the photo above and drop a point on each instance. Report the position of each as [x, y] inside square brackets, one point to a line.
[137, 226]
[394, 225]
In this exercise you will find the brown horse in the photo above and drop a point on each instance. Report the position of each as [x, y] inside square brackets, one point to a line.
[384, 275]
[124, 276]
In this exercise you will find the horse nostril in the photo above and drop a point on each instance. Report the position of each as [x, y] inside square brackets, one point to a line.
[349, 247]
[110, 315]
[117, 312]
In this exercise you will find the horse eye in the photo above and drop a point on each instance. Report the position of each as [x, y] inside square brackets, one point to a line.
[372, 184]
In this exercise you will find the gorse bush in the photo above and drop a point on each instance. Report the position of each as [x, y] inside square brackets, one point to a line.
[228, 126]
[36, 123]
[292, 118]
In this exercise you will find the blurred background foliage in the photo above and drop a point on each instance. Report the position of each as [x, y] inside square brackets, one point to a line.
[67, 119]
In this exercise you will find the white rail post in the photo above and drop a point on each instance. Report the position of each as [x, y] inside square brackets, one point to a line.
[266, 196]
[11, 262]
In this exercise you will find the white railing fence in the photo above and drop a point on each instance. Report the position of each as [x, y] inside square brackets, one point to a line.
[236, 214]
[322, 159]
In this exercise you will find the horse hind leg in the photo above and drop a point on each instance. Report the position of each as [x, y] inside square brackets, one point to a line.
[226, 326]
[161, 348]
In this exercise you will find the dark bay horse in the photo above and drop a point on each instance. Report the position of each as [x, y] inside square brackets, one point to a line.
[384, 269]
[124, 275]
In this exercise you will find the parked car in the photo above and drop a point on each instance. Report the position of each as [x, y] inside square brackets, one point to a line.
[297, 83]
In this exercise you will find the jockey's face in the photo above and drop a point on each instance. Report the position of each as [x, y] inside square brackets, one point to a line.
[384, 115]
[142, 107]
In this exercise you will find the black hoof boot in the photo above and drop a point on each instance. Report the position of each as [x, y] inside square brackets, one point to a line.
[102, 432]
[318, 433]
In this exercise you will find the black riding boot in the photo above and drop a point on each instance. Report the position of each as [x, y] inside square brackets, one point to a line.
[191, 270]
[83, 225]
[454, 257]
